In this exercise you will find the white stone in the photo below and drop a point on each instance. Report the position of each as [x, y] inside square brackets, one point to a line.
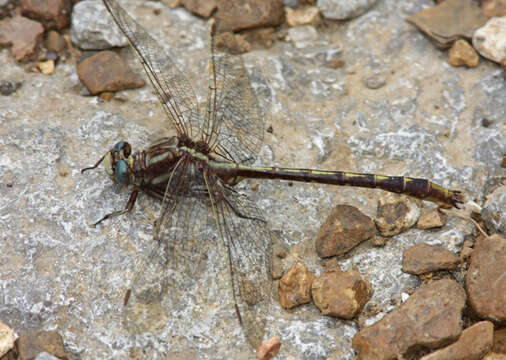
[343, 9]
[7, 338]
[490, 39]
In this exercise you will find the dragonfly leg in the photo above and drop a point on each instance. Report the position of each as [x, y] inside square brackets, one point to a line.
[128, 208]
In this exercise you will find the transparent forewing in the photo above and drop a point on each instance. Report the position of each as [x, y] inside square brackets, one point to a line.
[248, 243]
[184, 234]
[172, 87]
[233, 121]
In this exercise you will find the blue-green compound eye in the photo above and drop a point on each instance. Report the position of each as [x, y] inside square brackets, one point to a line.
[122, 145]
[121, 173]
[118, 146]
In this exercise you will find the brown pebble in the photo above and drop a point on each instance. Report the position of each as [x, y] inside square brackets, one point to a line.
[295, 286]
[431, 219]
[303, 16]
[107, 95]
[395, 214]
[429, 319]
[24, 35]
[30, 345]
[463, 54]
[341, 293]
[202, 8]
[269, 348]
[485, 280]
[473, 343]
[55, 42]
[345, 228]
[335, 63]
[493, 8]
[500, 341]
[247, 14]
[54, 14]
[7, 338]
[423, 258]
[106, 71]
[46, 67]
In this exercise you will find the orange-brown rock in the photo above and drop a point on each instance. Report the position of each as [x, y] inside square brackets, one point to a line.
[269, 348]
[24, 35]
[32, 344]
[395, 214]
[493, 8]
[54, 14]
[463, 54]
[341, 293]
[106, 71]
[202, 8]
[430, 318]
[449, 21]
[246, 14]
[423, 258]
[431, 219]
[473, 344]
[486, 280]
[295, 286]
[345, 228]
[304, 16]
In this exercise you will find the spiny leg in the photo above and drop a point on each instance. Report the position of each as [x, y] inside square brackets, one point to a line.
[128, 208]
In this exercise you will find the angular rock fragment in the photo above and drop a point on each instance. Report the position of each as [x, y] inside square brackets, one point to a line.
[449, 21]
[423, 258]
[269, 348]
[32, 344]
[473, 344]
[490, 40]
[23, 34]
[202, 8]
[461, 53]
[431, 219]
[304, 16]
[7, 338]
[106, 71]
[345, 228]
[247, 14]
[55, 42]
[493, 8]
[341, 293]
[500, 341]
[486, 280]
[395, 214]
[53, 14]
[430, 318]
[295, 286]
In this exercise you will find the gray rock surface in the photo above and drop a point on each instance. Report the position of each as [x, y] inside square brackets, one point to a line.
[58, 273]
[93, 28]
[343, 9]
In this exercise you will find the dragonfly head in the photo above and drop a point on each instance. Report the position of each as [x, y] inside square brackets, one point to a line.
[118, 163]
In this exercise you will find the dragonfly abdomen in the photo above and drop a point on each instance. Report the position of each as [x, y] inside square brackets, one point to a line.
[418, 188]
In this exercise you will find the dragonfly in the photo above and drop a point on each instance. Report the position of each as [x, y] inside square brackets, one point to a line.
[194, 173]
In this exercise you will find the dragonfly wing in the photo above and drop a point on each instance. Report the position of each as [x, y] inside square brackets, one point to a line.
[172, 87]
[177, 256]
[248, 243]
[233, 121]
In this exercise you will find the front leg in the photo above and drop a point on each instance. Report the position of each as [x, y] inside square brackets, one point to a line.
[128, 208]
